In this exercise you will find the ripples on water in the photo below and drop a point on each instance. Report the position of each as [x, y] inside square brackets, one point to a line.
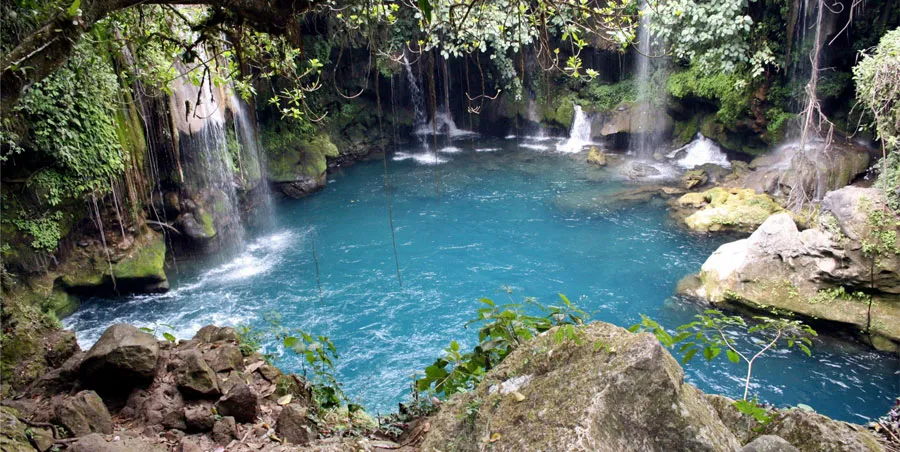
[538, 222]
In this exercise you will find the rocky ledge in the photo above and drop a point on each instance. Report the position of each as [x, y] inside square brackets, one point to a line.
[843, 270]
[611, 391]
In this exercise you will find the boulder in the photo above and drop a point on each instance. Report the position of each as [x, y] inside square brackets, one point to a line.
[139, 268]
[223, 358]
[99, 443]
[212, 333]
[596, 157]
[199, 417]
[812, 432]
[294, 425]
[224, 431]
[194, 377]
[617, 391]
[82, 413]
[627, 119]
[735, 209]
[161, 404]
[297, 165]
[694, 178]
[239, 402]
[123, 358]
[12, 432]
[819, 272]
[769, 443]
[640, 170]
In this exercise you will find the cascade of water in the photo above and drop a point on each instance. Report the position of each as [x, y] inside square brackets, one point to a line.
[645, 135]
[198, 117]
[535, 119]
[252, 162]
[699, 152]
[580, 134]
[418, 101]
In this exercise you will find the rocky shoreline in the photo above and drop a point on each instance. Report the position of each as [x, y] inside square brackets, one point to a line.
[614, 390]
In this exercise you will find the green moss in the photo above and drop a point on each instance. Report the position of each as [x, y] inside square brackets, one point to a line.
[604, 97]
[206, 222]
[293, 152]
[685, 130]
[726, 90]
[146, 262]
[730, 209]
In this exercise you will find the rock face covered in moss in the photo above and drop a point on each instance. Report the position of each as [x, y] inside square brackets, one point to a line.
[725, 209]
[297, 167]
[617, 391]
[139, 268]
[819, 272]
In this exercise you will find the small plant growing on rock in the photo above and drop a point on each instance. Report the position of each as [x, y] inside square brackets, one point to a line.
[157, 327]
[503, 328]
[709, 334]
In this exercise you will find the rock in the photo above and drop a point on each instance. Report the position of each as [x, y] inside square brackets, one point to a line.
[194, 377]
[769, 443]
[596, 156]
[123, 358]
[735, 209]
[82, 413]
[294, 426]
[781, 267]
[212, 333]
[694, 178]
[12, 432]
[627, 394]
[189, 445]
[625, 119]
[161, 404]
[224, 431]
[297, 166]
[199, 228]
[223, 358]
[97, 443]
[812, 432]
[640, 170]
[240, 402]
[137, 269]
[744, 426]
[199, 417]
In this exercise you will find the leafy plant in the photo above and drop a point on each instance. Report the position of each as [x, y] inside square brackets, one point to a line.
[709, 334]
[753, 408]
[503, 328]
[165, 334]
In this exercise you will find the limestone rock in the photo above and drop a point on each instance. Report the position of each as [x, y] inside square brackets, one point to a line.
[139, 268]
[640, 170]
[783, 267]
[626, 395]
[124, 357]
[596, 156]
[98, 443]
[769, 443]
[239, 402]
[294, 426]
[811, 432]
[194, 377]
[83, 413]
[741, 210]
[694, 178]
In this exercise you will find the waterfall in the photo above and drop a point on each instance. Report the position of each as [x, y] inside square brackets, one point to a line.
[580, 134]
[699, 152]
[645, 137]
[418, 102]
[252, 164]
[534, 118]
[198, 117]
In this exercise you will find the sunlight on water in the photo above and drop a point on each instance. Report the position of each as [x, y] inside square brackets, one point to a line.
[538, 222]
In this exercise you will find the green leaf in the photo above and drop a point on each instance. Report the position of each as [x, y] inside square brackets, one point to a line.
[169, 337]
[290, 341]
[73, 8]
[426, 8]
[733, 356]
[689, 355]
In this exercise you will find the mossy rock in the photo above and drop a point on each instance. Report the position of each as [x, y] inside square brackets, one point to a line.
[731, 139]
[729, 209]
[140, 269]
[303, 158]
[685, 130]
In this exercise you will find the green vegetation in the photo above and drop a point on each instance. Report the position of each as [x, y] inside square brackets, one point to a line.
[607, 97]
[727, 89]
[713, 332]
[502, 328]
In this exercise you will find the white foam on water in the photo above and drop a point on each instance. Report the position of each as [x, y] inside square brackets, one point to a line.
[535, 147]
[443, 125]
[510, 137]
[424, 158]
[450, 150]
[702, 151]
[487, 149]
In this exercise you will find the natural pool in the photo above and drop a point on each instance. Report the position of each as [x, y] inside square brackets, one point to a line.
[508, 214]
